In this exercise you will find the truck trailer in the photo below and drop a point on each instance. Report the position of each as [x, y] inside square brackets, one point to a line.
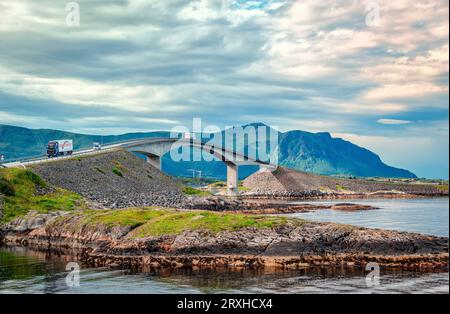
[59, 148]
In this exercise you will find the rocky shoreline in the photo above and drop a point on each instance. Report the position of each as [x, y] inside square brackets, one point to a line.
[284, 246]
[267, 206]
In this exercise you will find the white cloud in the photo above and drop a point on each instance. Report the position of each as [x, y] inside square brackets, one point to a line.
[409, 77]
[393, 121]
[397, 91]
[137, 98]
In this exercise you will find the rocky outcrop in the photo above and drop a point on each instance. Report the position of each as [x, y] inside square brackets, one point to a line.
[115, 179]
[249, 206]
[288, 245]
[288, 183]
[32, 221]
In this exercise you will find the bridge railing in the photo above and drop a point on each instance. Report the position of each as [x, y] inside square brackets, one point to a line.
[43, 155]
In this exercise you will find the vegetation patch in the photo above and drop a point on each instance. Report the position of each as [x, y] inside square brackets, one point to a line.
[117, 172]
[195, 192]
[28, 175]
[25, 198]
[6, 188]
[442, 188]
[174, 223]
[133, 217]
[341, 188]
[155, 221]
[243, 188]
[99, 170]
[218, 184]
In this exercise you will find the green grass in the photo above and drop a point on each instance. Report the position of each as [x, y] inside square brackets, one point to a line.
[25, 198]
[174, 223]
[218, 184]
[6, 188]
[442, 188]
[133, 217]
[341, 188]
[155, 221]
[195, 192]
[116, 171]
[242, 188]
[119, 169]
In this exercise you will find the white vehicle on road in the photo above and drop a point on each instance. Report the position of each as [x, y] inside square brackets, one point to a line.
[59, 148]
[96, 146]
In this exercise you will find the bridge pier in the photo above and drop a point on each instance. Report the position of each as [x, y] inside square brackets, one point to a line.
[155, 161]
[232, 179]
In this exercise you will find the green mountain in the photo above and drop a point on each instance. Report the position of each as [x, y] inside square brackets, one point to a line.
[311, 152]
[320, 153]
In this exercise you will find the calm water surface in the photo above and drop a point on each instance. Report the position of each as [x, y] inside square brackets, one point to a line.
[428, 216]
[26, 271]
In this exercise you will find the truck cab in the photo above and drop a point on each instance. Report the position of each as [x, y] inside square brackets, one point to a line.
[52, 149]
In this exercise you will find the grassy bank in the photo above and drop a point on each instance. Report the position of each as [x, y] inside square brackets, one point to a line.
[25, 191]
[187, 190]
[156, 221]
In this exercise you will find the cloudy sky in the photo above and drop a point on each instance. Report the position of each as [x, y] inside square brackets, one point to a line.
[314, 65]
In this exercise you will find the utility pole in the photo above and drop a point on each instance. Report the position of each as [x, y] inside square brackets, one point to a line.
[193, 172]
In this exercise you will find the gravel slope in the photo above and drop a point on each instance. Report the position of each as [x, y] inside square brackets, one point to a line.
[287, 182]
[116, 179]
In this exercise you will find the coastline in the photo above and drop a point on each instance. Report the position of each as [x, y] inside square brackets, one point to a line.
[292, 244]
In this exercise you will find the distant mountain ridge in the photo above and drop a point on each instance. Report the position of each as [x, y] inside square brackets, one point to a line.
[321, 153]
[318, 153]
[19, 142]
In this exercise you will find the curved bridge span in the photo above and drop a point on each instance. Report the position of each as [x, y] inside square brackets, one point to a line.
[155, 148]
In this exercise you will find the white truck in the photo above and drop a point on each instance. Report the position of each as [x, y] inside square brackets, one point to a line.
[59, 148]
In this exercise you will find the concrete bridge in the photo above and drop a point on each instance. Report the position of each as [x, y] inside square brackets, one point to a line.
[155, 148]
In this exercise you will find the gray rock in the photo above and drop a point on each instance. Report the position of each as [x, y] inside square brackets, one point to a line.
[31, 221]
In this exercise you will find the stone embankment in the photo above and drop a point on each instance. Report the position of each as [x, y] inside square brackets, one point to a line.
[290, 245]
[288, 183]
[116, 179]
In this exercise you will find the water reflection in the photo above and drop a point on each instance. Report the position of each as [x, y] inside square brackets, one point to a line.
[25, 271]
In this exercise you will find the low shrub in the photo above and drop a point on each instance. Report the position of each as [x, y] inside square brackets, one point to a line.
[6, 188]
[117, 172]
